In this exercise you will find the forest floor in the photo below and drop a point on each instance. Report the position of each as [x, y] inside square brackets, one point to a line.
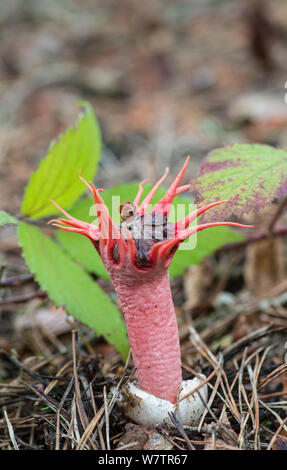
[166, 79]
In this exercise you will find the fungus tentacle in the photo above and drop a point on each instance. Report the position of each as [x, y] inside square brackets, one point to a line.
[164, 205]
[163, 250]
[75, 225]
[184, 223]
[131, 249]
[140, 191]
[182, 189]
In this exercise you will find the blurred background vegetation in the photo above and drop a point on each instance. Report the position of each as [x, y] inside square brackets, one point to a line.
[166, 78]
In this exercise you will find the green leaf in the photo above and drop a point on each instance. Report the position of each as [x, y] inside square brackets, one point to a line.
[57, 177]
[5, 219]
[67, 284]
[207, 241]
[82, 250]
[249, 176]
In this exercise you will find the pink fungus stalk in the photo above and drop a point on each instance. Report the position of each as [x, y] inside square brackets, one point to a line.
[137, 253]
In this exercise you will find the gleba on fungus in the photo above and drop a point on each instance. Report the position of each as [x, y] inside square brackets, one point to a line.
[136, 254]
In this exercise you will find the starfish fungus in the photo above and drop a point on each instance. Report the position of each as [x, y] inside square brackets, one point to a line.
[137, 253]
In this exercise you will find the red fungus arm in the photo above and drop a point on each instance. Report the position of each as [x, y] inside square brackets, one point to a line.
[153, 333]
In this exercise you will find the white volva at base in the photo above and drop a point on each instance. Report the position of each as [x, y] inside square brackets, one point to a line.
[149, 410]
